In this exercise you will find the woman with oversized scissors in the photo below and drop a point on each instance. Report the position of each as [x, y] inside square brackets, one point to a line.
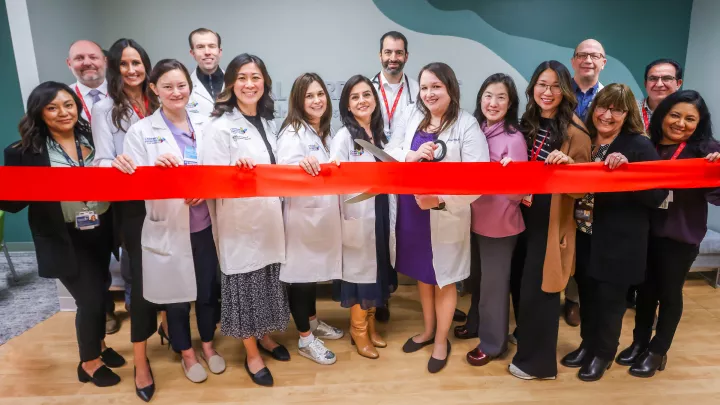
[440, 257]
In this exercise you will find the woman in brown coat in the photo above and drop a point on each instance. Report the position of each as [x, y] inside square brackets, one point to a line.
[546, 250]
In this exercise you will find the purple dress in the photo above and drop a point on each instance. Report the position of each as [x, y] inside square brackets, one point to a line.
[412, 229]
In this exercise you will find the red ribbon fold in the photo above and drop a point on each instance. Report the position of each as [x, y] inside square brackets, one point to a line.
[149, 183]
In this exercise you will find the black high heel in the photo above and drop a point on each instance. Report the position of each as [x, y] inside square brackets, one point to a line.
[146, 393]
[163, 336]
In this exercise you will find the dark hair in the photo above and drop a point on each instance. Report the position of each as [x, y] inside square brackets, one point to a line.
[122, 107]
[530, 121]
[33, 129]
[619, 96]
[447, 77]
[203, 31]
[167, 65]
[511, 117]
[297, 116]
[393, 35]
[377, 125]
[703, 135]
[676, 65]
[227, 100]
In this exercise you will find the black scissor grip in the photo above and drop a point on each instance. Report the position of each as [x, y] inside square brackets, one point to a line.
[443, 152]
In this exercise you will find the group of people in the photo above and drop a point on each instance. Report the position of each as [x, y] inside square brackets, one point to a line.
[273, 251]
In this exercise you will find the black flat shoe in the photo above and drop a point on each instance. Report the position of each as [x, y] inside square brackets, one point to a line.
[459, 316]
[647, 364]
[628, 356]
[280, 353]
[435, 365]
[103, 376]
[462, 332]
[262, 377]
[594, 369]
[146, 393]
[575, 358]
[411, 346]
[111, 358]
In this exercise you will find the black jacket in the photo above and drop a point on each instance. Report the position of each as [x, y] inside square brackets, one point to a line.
[621, 221]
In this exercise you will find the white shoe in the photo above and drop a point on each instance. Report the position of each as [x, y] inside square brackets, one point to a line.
[317, 352]
[523, 375]
[196, 373]
[215, 363]
[325, 331]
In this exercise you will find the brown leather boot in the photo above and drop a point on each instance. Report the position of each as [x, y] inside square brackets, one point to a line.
[359, 333]
[375, 337]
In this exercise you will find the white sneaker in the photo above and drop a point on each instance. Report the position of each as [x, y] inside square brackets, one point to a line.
[523, 375]
[326, 331]
[317, 352]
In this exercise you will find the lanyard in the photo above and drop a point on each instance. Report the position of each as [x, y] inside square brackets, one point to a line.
[535, 154]
[139, 113]
[646, 119]
[677, 151]
[390, 112]
[82, 100]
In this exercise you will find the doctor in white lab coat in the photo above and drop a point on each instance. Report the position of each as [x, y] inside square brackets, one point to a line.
[365, 225]
[251, 235]
[207, 77]
[430, 235]
[179, 255]
[313, 233]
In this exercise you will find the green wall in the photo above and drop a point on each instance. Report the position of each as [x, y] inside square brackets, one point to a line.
[11, 105]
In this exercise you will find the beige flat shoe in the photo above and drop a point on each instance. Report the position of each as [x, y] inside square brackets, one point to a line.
[215, 363]
[196, 373]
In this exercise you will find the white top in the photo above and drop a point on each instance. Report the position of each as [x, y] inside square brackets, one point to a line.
[108, 139]
[200, 100]
[85, 95]
[407, 98]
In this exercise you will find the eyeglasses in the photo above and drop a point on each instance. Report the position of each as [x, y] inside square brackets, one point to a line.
[554, 88]
[593, 56]
[615, 112]
[665, 79]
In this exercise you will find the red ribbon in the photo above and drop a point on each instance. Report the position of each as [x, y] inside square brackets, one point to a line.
[148, 183]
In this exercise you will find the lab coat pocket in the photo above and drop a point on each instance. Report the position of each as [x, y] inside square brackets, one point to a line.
[356, 232]
[451, 228]
[156, 237]
[314, 226]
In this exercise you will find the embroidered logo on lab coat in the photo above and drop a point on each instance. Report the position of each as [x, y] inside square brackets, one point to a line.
[354, 152]
[192, 104]
[313, 147]
[154, 140]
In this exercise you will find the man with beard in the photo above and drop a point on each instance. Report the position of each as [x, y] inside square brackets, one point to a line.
[662, 78]
[207, 78]
[87, 62]
[396, 90]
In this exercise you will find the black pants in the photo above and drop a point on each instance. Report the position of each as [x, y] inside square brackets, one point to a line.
[302, 298]
[206, 264]
[143, 315]
[92, 250]
[603, 307]
[669, 262]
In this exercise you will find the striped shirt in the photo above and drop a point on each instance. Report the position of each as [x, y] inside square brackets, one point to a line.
[541, 142]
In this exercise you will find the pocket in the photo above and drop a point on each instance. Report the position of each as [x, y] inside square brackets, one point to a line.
[315, 226]
[156, 237]
[453, 228]
[356, 232]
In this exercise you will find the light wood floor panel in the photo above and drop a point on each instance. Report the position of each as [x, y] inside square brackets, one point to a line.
[38, 368]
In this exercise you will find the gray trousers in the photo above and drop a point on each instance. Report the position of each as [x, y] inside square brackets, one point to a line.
[490, 307]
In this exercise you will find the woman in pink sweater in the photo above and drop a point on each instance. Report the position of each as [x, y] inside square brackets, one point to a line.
[496, 223]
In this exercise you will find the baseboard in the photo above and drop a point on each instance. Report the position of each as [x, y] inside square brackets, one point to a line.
[20, 246]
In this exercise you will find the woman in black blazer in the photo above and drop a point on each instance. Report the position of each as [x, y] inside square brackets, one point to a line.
[73, 240]
[612, 231]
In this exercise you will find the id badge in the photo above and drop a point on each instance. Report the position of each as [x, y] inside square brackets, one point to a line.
[584, 213]
[666, 204]
[86, 220]
[527, 200]
[190, 156]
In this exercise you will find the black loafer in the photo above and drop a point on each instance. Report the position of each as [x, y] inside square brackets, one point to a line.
[280, 353]
[575, 358]
[103, 376]
[262, 377]
[111, 358]
[462, 332]
[435, 365]
[411, 346]
[459, 316]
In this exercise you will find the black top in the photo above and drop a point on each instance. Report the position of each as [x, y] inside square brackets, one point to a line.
[541, 141]
[257, 123]
[213, 83]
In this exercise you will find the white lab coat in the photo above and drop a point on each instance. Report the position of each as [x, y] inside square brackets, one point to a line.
[200, 100]
[167, 260]
[313, 233]
[407, 101]
[109, 140]
[359, 255]
[250, 230]
[449, 228]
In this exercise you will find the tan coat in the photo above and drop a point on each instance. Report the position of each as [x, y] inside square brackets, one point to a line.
[560, 253]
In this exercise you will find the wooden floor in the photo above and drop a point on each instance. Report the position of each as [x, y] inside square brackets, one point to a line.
[39, 368]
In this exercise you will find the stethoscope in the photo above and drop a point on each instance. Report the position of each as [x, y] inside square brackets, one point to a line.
[376, 80]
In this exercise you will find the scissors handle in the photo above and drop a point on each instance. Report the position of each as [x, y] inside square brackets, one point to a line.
[441, 156]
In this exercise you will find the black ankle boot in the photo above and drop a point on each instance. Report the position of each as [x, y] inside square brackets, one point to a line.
[575, 358]
[647, 364]
[628, 356]
[594, 369]
[102, 377]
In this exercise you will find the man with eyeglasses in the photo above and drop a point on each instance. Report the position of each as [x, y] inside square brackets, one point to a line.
[663, 77]
[587, 63]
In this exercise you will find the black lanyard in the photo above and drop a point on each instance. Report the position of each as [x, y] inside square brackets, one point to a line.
[81, 161]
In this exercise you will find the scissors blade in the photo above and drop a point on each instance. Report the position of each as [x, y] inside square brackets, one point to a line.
[360, 197]
[375, 151]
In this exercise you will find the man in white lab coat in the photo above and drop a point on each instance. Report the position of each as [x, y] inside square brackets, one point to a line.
[208, 78]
